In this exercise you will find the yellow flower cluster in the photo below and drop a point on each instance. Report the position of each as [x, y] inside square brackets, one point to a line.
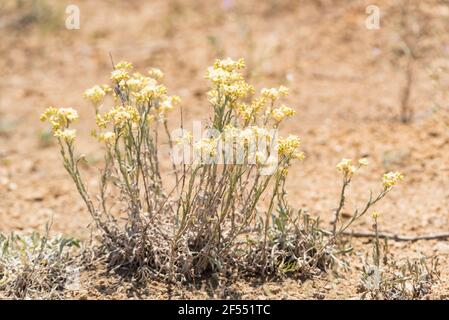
[59, 118]
[237, 90]
[281, 113]
[229, 87]
[107, 137]
[124, 65]
[221, 77]
[347, 168]
[119, 116]
[150, 90]
[391, 178]
[137, 82]
[146, 89]
[226, 77]
[120, 73]
[375, 215]
[96, 93]
[67, 135]
[248, 111]
[289, 147]
[273, 93]
[167, 104]
[229, 65]
[140, 96]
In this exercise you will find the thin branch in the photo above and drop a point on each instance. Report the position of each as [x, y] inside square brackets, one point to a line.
[394, 237]
[112, 60]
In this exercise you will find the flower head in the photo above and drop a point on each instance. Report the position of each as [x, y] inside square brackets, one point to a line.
[346, 167]
[391, 178]
[220, 76]
[59, 118]
[279, 114]
[95, 94]
[69, 114]
[67, 135]
[289, 146]
[119, 116]
[137, 82]
[238, 89]
[107, 137]
[168, 103]
[150, 91]
[273, 93]
[229, 65]
[124, 65]
[119, 74]
[375, 214]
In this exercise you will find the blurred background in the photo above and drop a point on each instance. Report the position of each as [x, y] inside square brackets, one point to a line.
[357, 91]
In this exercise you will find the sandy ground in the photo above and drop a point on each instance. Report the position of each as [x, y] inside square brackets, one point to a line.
[345, 83]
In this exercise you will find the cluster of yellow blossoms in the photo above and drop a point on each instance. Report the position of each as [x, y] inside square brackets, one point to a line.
[348, 169]
[274, 94]
[120, 72]
[227, 80]
[96, 93]
[60, 119]
[281, 113]
[289, 146]
[167, 104]
[249, 111]
[375, 214]
[107, 137]
[137, 87]
[150, 90]
[119, 75]
[391, 178]
[135, 96]
[68, 135]
[119, 116]
[142, 91]
[229, 87]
